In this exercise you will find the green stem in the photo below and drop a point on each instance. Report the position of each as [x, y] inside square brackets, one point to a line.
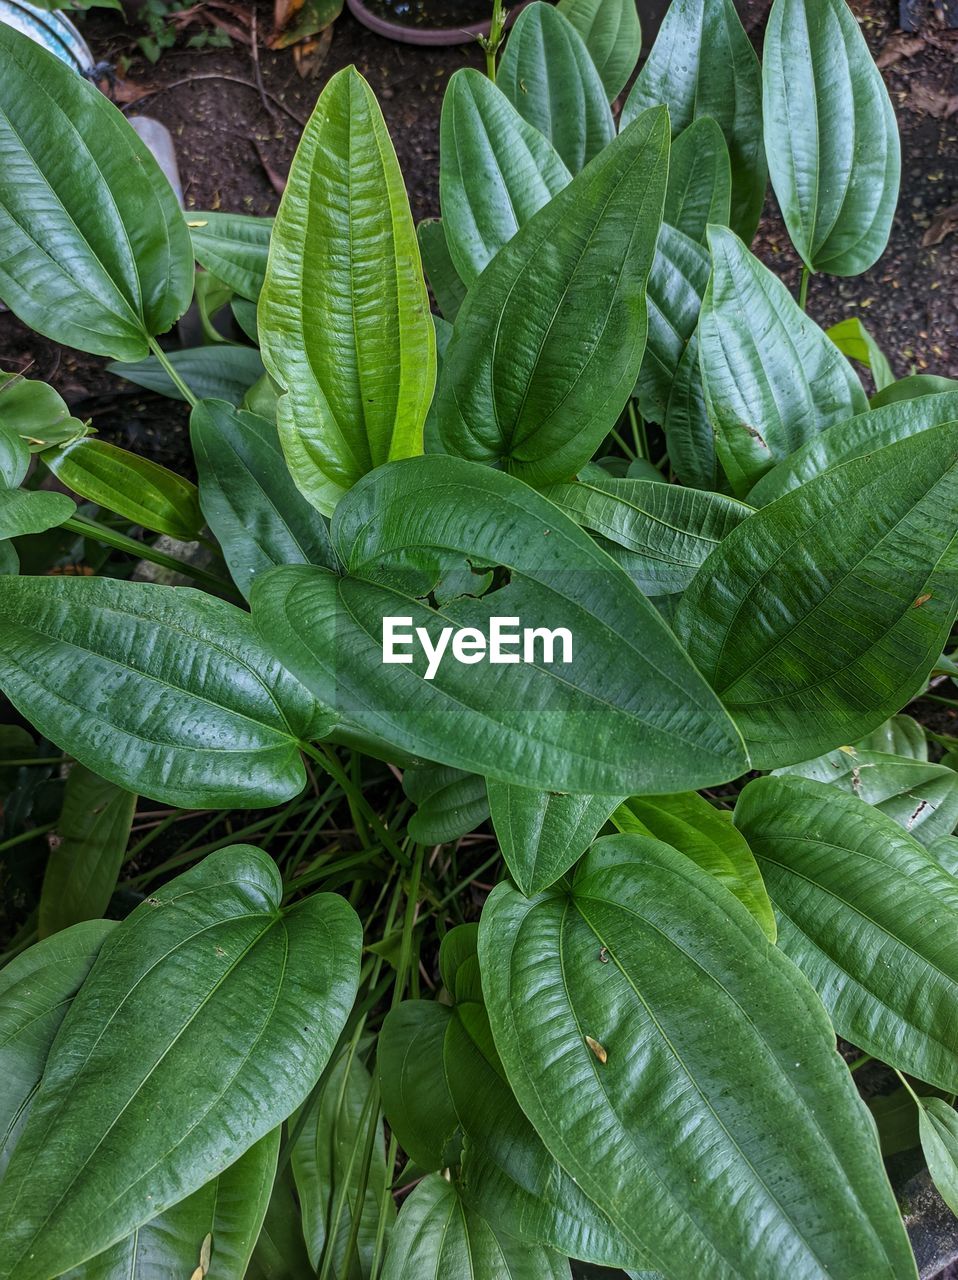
[24, 836]
[492, 42]
[383, 1202]
[171, 373]
[23, 764]
[141, 550]
[860, 1062]
[327, 757]
[803, 287]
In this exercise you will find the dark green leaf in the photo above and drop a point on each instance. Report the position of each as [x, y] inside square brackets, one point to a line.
[945, 852]
[830, 136]
[703, 64]
[449, 803]
[344, 316]
[234, 246]
[443, 278]
[256, 513]
[542, 834]
[548, 76]
[415, 1094]
[868, 916]
[211, 373]
[700, 179]
[644, 717]
[677, 281]
[938, 1128]
[689, 434]
[88, 851]
[540, 366]
[280, 1252]
[772, 378]
[711, 1080]
[845, 585]
[899, 736]
[146, 1096]
[14, 458]
[94, 251]
[164, 689]
[611, 32]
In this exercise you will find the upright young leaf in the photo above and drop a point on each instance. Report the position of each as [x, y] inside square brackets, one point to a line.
[438, 525]
[248, 499]
[206, 1020]
[343, 316]
[163, 689]
[772, 378]
[938, 1127]
[823, 613]
[94, 250]
[703, 64]
[234, 247]
[689, 433]
[867, 914]
[541, 364]
[700, 179]
[677, 282]
[495, 171]
[548, 76]
[612, 34]
[88, 851]
[692, 1073]
[830, 135]
[280, 1252]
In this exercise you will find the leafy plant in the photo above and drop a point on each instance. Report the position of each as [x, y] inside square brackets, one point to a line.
[496, 615]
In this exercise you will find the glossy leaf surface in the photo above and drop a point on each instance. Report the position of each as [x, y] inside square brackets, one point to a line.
[677, 282]
[867, 914]
[689, 433]
[938, 1127]
[700, 179]
[611, 32]
[449, 803]
[344, 316]
[136, 1110]
[25, 511]
[216, 373]
[161, 688]
[542, 834]
[234, 247]
[845, 585]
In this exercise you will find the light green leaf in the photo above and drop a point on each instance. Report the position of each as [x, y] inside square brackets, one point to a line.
[677, 281]
[144, 1098]
[165, 689]
[449, 803]
[542, 834]
[344, 316]
[705, 834]
[540, 365]
[772, 378]
[858, 343]
[94, 250]
[88, 852]
[945, 852]
[918, 384]
[868, 916]
[443, 278]
[254, 510]
[611, 32]
[14, 457]
[641, 710]
[830, 135]
[703, 64]
[34, 411]
[234, 247]
[495, 171]
[548, 76]
[700, 179]
[211, 373]
[659, 533]
[938, 1128]
[711, 1079]
[25, 511]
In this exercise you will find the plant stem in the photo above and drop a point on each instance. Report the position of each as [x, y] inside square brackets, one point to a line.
[171, 373]
[803, 287]
[492, 42]
[141, 550]
[861, 1062]
[24, 836]
[327, 757]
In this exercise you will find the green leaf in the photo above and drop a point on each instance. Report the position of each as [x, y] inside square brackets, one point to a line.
[896, 1118]
[858, 343]
[14, 458]
[344, 316]
[548, 76]
[772, 378]
[830, 136]
[234, 247]
[224, 1217]
[611, 33]
[899, 736]
[845, 584]
[689, 435]
[700, 179]
[945, 852]
[25, 511]
[659, 533]
[860, 435]
[677, 281]
[254, 510]
[703, 64]
[88, 852]
[136, 488]
[641, 710]
[163, 689]
[144, 1098]
[868, 916]
[542, 834]
[35, 992]
[35, 412]
[280, 1252]
[94, 251]
[540, 366]
[918, 384]
[327, 1160]
[211, 373]
[416, 1097]
[712, 1066]
[449, 803]
[938, 1128]
[495, 171]
[443, 278]
[705, 834]
[438, 1235]
[921, 797]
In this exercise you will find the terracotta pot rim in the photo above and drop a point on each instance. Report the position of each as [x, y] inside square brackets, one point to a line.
[424, 35]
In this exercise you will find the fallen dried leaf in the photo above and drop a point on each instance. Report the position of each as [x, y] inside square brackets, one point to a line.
[942, 225]
[932, 101]
[597, 1049]
[897, 47]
